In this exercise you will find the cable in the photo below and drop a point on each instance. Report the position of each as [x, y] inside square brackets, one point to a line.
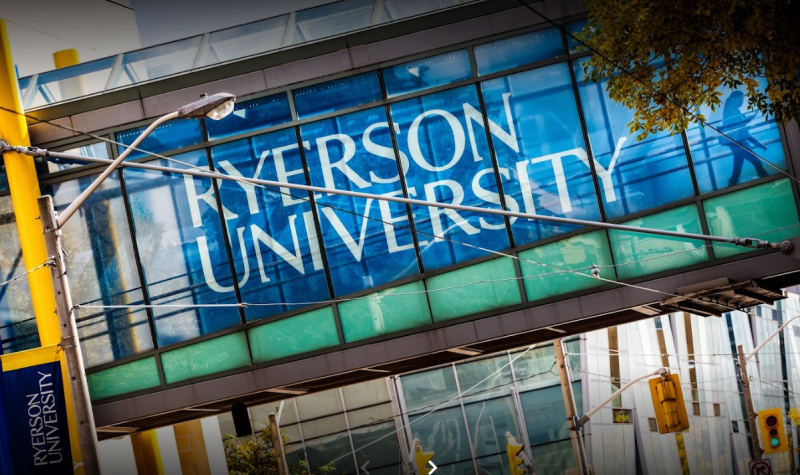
[653, 90]
[14, 279]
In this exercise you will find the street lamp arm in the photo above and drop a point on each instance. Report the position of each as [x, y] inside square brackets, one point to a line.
[64, 216]
[583, 420]
[763, 343]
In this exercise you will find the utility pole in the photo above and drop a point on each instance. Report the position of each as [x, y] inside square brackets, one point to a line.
[748, 401]
[84, 417]
[572, 411]
[277, 444]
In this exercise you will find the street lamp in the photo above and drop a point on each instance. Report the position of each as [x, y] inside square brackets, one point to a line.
[215, 107]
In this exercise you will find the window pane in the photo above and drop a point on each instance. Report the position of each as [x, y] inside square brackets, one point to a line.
[365, 394]
[205, 358]
[633, 175]
[330, 20]
[718, 161]
[274, 238]
[353, 152]
[542, 155]
[182, 250]
[168, 136]
[370, 415]
[294, 335]
[384, 450]
[574, 28]
[123, 379]
[488, 423]
[321, 451]
[536, 368]
[17, 324]
[443, 134]
[516, 51]
[544, 413]
[52, 165]
[424, 391]
[71, 82]
[324, 426]
[158, 61]
[337, 95]
[765, 212]
[427, 73]
[245, 40]
[102, 271]
[391, 10]
[443, 432]
[554, 458]
[640, 254]
[577, 253]
[478, 380]
[391, 310]
[251, 115]
[312, 406]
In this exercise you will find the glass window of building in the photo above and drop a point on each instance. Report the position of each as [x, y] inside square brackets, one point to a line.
[167, 136]
[273, 235]
[519, 50]
[53, 165]
[427, 73]
[446, 159]
[337, 95]
[330, 20]
[392, 10]
[71, 82]
[242, 41]
[251, 115]
[156, 62]
[536, 134]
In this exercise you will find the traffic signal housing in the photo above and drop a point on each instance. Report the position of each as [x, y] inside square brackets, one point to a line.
[516, 455]
[773, 432]
[669, 404]
[421, 460]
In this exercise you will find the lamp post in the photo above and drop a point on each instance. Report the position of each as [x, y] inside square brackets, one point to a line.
[214, 107]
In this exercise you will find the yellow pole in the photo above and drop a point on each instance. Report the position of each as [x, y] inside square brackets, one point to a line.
[65, 57]
[24, 186]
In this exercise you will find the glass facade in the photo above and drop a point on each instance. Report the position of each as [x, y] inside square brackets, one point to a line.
[508, 124]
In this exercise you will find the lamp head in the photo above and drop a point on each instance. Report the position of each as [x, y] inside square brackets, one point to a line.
[214, 107]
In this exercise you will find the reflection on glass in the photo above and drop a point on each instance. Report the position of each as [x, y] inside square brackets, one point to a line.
[312, 406]
[391, 10]
[102, 271]
[545, 415]
[426, 390]
[330, 20]
[443, 432]
[634, 175]
[157, 62]
[540, 149]
[484, 378]
[516, 51]
[167, 136]
[427, 73]
[337, 95]
[251, 115]
[726, 161]
[70, 82]
[489, 420]
[446, 159]
[273, 235]
[353, 152]
[245, 40]
[52, 165]
[573, 29]
[182, 250]
[324, 449]
[17, 324]
[383, 455]
[365, 394]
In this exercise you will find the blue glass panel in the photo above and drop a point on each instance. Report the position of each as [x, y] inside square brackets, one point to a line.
[251, 115]
[540, 149]
[274, 238]
[446, 158]
[168, 136]
[633, 175]
[718, 161]
[337, 95]
[53, 165]
[574, 28]
[354, 152]
[427, 73]
[182, 250]
[23, 85]
[516, 51]
[71, 82]
[3, 177]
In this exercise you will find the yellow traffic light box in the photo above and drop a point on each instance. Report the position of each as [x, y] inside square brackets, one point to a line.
[516, 456]
[421, 460]
[669, 404]
[773, 432]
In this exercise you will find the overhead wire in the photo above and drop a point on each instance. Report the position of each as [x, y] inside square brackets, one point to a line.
[20, 276]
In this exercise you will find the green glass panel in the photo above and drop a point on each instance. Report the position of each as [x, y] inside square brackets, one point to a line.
[766, 211]
[291, 336]
[639, 254]
[123, 379]
[392, 310]
[473, 289]
[576, 253]
[207, 357]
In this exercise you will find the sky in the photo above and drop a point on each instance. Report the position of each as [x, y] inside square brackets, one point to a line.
[161, 21]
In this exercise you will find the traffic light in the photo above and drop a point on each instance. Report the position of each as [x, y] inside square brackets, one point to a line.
[516, 455]
[773, 432]
[421, 459]
[669, 404]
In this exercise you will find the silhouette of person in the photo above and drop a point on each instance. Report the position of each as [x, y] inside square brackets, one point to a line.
[734, 124]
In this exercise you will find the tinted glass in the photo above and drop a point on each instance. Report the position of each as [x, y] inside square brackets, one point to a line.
[516, 51]
[427, 73]
[273, 235]
[634, 175]
[367, 242]
[718, 160]
[446, 158]
[52, 165]
[251, 115]
[182, 250]
[168, 136]
[336, 95]
[244, 40]
[156, 62]
[391, 10]
[71, 82]
[573, 29]
[539, 146]
[329, 20]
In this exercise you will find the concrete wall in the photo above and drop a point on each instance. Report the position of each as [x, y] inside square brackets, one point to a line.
[38, 28]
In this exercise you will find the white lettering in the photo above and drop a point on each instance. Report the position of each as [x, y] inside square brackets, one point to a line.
[436, 213]
[283, 174]
[341, 164]
[605, 173]
[384, 152]
[208, 268]
[355, 248]
[295, 260]
[493, 197]
[207, 196]
[388, 220]
[459, 140]
[509, 138]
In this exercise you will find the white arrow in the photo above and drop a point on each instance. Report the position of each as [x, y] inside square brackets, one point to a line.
[432, 465]
[364, 467]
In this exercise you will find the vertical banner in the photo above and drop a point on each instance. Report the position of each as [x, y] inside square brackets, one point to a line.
[35, 414]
